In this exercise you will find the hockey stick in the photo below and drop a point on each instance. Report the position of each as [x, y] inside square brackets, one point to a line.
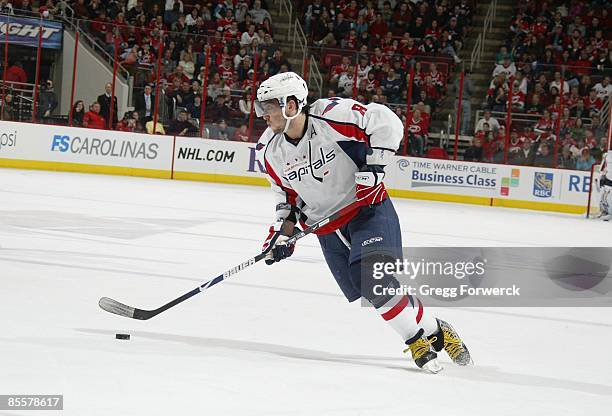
[118, 308]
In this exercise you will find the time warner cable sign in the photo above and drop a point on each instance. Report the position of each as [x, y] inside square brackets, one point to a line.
[429, 175]
[25, 31]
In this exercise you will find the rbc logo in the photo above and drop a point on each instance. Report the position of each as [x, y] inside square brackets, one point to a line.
[543, 184]
[60, 143]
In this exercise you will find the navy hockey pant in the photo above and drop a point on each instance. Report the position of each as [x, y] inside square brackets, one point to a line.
[375, 229]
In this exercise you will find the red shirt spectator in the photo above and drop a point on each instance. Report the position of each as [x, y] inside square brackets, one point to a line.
[592, 102]
[430, 89]
[226, 71]
[351, 11]
[518, 99]
[418, 125]
[378, 29]
[15, 73]
[100, 24]
[582, 66]
[437, 77]
[92, 119]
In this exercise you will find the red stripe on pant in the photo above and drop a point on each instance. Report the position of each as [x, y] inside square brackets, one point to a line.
[394, 311]
[420, 312]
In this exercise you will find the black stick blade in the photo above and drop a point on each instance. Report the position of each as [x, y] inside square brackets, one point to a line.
[118, 308]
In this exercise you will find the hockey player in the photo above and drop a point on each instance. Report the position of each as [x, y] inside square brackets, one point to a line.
[605, 184]
[322, 158]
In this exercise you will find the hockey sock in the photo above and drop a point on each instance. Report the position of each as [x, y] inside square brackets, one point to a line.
[407, 315]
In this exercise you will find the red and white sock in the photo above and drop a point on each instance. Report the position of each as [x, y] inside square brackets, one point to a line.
[407, 316]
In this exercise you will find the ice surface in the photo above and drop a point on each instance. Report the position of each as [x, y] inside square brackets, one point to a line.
[275, 340]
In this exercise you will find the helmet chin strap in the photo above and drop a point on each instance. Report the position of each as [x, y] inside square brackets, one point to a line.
[288, 119]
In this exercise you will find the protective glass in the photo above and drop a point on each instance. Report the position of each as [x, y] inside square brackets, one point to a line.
[263, 108]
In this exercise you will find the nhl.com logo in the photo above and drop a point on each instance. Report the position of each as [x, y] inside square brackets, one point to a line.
[403, 164]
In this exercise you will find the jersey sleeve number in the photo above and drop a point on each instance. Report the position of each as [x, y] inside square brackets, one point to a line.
[359, 108]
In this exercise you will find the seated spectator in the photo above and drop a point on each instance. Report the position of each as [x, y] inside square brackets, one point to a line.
[8, 109]
[342, 68]
[544, 157]
[527, 154]
[185, 95]
[241, 134]
[346, 83]
[418, 130]
[391, 85]
[592, 103]
[504, 55]
[585, 161]
[188, 65]
[249, 36]
[221, 132]
[506, 68]
[92, 119]
[603, 89]
[78, 113]
[566, 159]
[491, 121]
[497, 151]
[155, 126]
[499, 100]
[127, 123]
[195, 108]
[474, 153]
[258, 14]
[181, 126]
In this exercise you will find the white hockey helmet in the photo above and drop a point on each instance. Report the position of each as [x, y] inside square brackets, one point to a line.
[279, 87]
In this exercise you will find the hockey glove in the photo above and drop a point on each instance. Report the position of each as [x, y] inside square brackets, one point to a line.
[279, 232]
[369, 186]
[280, 249]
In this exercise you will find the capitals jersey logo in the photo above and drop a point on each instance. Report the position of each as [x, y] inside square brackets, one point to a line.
[334, 102]
[301, 168]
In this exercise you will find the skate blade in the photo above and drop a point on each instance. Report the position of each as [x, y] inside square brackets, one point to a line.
[432, 366]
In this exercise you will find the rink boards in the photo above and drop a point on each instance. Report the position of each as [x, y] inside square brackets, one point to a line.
[50, 147]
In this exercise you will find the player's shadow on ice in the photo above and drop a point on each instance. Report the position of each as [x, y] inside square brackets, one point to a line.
[275, 349]
[487, 374]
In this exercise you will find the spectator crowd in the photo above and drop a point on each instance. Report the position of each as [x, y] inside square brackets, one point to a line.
[554, 71]
[233, 39]
[554, 65]
[367, 50]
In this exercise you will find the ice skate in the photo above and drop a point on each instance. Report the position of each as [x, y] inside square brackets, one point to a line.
[448, 340]
[424, 356]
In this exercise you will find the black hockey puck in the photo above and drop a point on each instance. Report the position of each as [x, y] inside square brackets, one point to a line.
[122, 336]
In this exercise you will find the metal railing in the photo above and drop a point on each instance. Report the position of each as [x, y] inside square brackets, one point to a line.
[299, 40]
[286, 8]
[480, 43]
[314, 76]
[86, 38]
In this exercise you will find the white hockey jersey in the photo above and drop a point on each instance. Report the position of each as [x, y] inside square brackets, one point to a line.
[317, 173]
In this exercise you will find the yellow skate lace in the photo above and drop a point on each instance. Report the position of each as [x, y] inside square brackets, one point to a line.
[452, 344]
[419, 347]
